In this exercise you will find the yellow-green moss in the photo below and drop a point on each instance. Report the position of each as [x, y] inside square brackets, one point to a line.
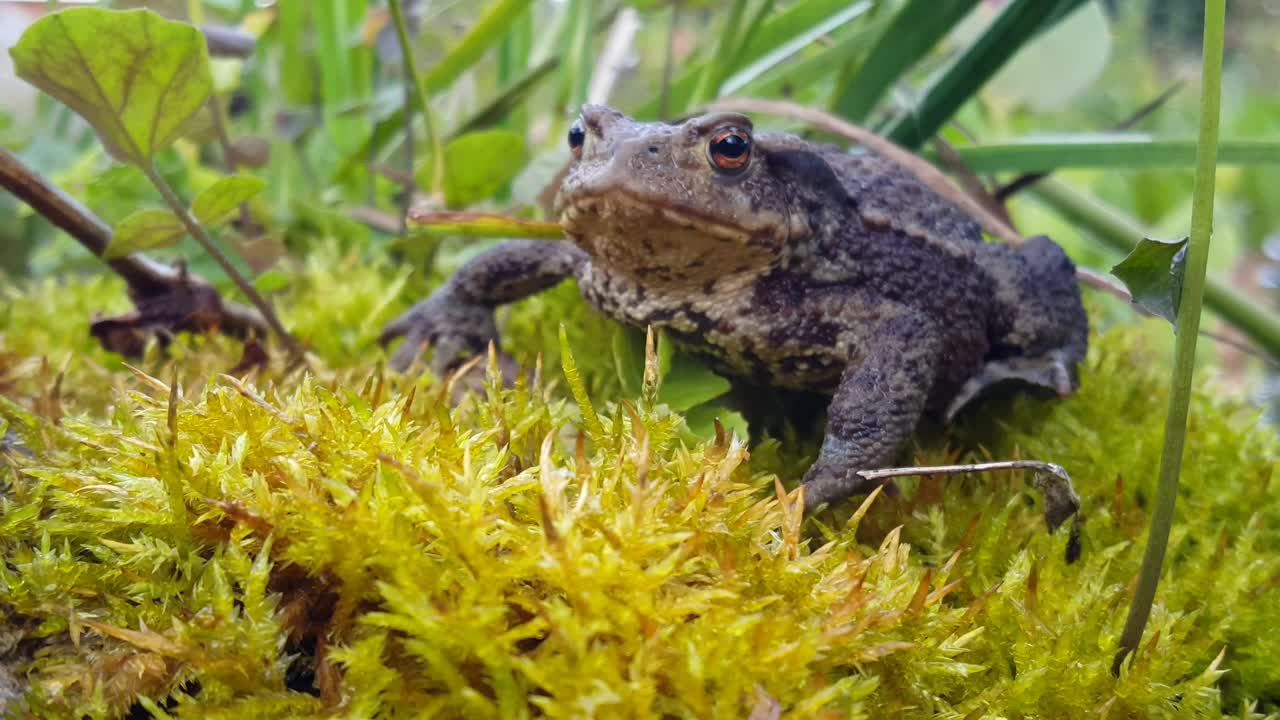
[341, 542]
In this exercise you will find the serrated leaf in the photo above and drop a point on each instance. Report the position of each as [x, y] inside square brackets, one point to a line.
[134, 76]
[478, 164]
[145, 229]
[223, 197]
[1153, 273]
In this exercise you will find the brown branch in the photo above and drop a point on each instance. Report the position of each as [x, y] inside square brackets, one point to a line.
[152, 285]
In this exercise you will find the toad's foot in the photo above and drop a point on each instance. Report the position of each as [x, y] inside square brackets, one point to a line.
[455, 331]
[1052, 371]
[825, 484]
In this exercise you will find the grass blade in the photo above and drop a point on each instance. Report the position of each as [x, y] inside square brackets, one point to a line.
[814, 67]
[1018, 23]
[713, 73]
[1117, 150]
[509, 101]
[912, 33]
[341, 79]
[491, 27]
[773, 33]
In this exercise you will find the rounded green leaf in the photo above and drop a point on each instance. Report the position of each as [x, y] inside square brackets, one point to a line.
[478, 164]
[136, 77]
[144, 230]
[223, 197]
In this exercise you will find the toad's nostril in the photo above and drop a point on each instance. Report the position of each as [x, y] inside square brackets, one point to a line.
[653, 149]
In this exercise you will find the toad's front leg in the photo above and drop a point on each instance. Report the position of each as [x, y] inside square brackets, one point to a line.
[875, 408]
[457, 319]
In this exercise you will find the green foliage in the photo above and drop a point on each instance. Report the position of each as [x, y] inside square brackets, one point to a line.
[145, 229]
[1153, 274]
[348, 527]
[134, 76]
[1018, 22]
[914, 31]
[219, 200]
[478, 164]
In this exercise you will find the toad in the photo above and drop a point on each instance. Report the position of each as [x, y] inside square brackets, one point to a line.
[783, 264]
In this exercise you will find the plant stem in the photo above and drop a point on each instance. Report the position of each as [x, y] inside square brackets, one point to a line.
[1187, 328]
[197, 231]
[1060, 499]
[411, 70]
[1121, 233]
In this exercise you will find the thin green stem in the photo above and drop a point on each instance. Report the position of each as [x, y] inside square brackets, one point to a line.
[411, 70]
[1188, 329]
[197, 231]
[1122, 233]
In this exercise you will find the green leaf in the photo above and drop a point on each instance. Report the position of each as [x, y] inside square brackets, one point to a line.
[223, 197]
[477, 164]
[1106, 150]
[701, 420]
[1017, 24]
[134, 76]
[914, 31]
[689, 383]
[1153, 273]
[628, 358]
[145, 230]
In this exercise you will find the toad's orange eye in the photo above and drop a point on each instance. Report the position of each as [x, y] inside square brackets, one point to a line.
[577, 137]
[729, 149]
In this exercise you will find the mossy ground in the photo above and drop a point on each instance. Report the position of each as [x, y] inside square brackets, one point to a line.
[341, 542]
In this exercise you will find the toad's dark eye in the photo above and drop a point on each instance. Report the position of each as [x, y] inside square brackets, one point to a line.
[729, 149]
[577, 136]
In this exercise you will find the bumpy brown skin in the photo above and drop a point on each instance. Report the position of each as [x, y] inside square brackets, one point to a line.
[809, 269]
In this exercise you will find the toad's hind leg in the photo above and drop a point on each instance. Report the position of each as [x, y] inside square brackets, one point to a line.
[1042, 330]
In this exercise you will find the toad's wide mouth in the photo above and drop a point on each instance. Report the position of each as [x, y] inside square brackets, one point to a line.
[619, 211]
